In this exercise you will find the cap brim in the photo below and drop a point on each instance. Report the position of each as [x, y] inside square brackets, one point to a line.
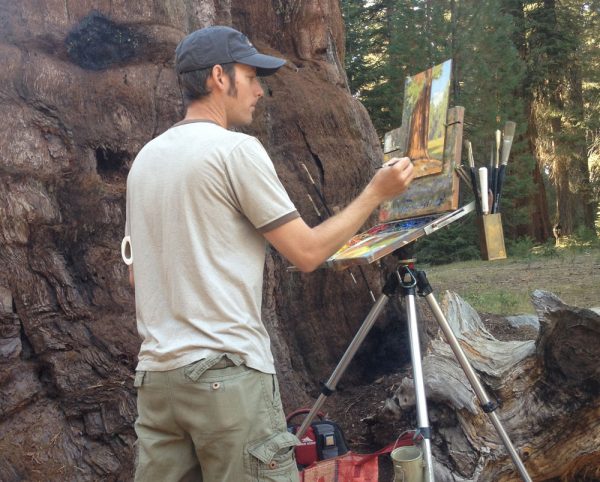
[265, 64]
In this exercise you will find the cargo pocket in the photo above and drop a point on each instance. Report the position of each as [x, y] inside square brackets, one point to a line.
[272, 459]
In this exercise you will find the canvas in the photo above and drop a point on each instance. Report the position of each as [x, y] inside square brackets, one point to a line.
[424, 116]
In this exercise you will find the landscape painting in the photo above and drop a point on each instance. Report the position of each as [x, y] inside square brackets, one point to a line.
[424, 112]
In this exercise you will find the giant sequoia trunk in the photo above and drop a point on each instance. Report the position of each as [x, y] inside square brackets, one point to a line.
[84, 84]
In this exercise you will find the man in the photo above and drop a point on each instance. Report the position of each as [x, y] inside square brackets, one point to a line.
[201, 201]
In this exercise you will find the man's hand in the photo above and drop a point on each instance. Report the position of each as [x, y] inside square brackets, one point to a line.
[392, 179]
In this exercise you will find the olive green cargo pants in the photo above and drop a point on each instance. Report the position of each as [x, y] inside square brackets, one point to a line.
[215, 420]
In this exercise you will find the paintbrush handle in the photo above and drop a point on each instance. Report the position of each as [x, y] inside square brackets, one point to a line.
[476, 192]
[483, 185]
[500, 182]
[493, 187]
[498, 143]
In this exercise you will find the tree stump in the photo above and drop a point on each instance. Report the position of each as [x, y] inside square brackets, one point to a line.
[547, 388]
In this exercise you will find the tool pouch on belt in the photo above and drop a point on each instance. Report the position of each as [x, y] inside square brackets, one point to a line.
[323, 440]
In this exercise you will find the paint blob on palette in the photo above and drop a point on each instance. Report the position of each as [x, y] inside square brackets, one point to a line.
[380, 240]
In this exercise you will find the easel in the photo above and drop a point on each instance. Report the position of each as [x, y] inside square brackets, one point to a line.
[427, 195]
[406, 282]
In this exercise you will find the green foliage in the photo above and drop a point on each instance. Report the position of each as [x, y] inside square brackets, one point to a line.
[547, 249]
[520, 247]
[583, 239]
[457, 242]
[512, 60]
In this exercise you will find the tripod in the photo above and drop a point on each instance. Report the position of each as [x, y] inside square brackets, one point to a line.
[405, 281]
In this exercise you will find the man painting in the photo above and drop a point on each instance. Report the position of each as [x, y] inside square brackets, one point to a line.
[202, 202]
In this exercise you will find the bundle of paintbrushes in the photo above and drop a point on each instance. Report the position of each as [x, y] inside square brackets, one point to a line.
[488, 191]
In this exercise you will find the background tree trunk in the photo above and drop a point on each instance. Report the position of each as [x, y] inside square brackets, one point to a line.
[84, 85]
[557, 38]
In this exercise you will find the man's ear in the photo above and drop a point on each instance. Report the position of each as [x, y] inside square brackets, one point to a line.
[219, 78]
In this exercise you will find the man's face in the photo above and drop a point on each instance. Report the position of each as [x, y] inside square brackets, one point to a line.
[242, 96]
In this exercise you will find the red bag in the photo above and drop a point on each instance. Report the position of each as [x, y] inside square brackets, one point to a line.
[351, 467]
[322, 440]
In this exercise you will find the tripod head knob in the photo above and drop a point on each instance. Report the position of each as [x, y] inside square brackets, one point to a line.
[406, 278]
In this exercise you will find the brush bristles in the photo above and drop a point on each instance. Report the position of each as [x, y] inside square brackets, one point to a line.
[509, 130]
[509, 133]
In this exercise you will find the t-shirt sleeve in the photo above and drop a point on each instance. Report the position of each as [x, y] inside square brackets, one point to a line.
[258, 192]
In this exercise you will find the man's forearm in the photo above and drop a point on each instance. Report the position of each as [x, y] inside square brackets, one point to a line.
[332, 233]
[307, 247]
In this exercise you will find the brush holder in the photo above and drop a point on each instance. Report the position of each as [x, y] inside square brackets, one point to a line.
[491, 237]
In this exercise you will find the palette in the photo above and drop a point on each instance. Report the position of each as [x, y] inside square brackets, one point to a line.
[383, 239]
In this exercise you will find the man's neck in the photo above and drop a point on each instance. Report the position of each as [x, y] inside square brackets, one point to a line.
[208, 111]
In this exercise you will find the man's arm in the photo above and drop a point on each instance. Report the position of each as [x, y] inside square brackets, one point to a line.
[307, 248]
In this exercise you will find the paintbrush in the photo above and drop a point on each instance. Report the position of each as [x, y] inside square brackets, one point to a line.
[490, 167]
[317, 191]
[461, 171]
[473, 175]
[507, 140]
[483, 184]
[386, 165]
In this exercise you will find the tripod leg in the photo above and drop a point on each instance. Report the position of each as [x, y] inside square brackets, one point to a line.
[408, 292]
[488, 405]
[329, 387]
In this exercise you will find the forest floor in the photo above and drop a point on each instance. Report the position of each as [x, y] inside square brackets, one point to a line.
[495, 289]
[504, 287]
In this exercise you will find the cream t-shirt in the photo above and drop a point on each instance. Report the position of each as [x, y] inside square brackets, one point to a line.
[198, 198]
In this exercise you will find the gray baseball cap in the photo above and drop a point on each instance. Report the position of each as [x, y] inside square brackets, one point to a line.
[221, 45]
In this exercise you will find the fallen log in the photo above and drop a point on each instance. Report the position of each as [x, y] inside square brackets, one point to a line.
[547, 389]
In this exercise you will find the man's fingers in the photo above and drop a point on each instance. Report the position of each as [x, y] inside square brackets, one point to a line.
[400, 163]
[405, 167]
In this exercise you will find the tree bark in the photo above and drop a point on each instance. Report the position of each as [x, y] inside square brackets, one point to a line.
[84, 86]
[540, 227]
[559, 96]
